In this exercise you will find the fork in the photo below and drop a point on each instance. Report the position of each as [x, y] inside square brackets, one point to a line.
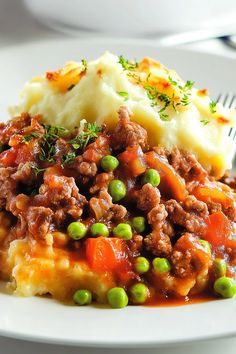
[228, 100]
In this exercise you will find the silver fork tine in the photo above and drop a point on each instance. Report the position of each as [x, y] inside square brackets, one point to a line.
[229, 101]
[232, 104]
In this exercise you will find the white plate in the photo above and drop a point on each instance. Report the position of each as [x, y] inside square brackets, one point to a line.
[45, 320]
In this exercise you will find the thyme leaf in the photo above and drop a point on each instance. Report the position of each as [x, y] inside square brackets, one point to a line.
[164, 117]
[185, 100]
[27, 138]
[136, 77]
[124, 94]
[212, 106]
[84, 63]
[188, 85]
[68, 159]
[172, 81]
[205, 121]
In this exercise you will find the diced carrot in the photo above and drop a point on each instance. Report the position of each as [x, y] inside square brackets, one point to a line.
[95, 151]
[171, 183]
[25, 153]
[107, 254]
[92, 155]
[8, 157]
[218, 229]
[15, 140]
[133, 159]
[20, 153]
[207, 194]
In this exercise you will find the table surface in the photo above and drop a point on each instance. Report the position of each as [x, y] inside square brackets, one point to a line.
[17, 26]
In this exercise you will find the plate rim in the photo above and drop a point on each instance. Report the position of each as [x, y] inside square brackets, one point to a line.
[117, 40]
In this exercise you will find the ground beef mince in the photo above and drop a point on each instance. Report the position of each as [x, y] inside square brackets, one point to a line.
[157, 241]
[136, 245]
[186, 260]
[87, 169]
[148, 197]
[117, 213]
[7, 184]
[39, 220]
[15, 126]
[128, 133]
[102, 181]
[157, 216]
[179, 214]
[186, 164]
[169, 234]
[25, 173]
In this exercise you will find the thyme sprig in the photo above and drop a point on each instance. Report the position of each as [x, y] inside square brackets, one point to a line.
[154, 95]
[185, 99]
[188, 86]
[37, 170]
[51, 134]
[87, 136]
[126, 64]
[68, 159]
[169, 101]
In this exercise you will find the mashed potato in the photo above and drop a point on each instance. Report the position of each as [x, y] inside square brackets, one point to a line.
[173, 112]
[39, 270]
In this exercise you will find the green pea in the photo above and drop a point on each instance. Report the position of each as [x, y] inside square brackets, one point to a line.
[220, 267]
[117, 190]
[123, 231]
[141, 265]
[117, 298]
[109, 163]
[161, 265]
[99, 229]
[151, 176]
[225, 286]
[76, 230]
[82, 297]
[206, 245]
[138, 223]
[139, 293]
